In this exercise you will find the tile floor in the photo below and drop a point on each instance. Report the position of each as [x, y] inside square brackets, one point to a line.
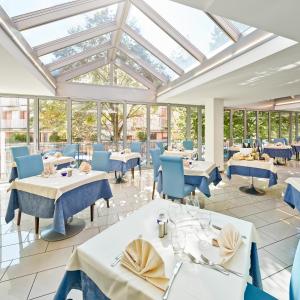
[31, 268]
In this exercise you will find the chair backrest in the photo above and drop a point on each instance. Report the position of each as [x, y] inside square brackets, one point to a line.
[295, 277]
[98, 147]
[136, 147]
[19, 151]
[30, 165]
[155, 155]
[173, 176]
[187, 145]
[70, 150]
[258, 142]
[281, 140]
[160, 145]
[101, 161]
[298, 139]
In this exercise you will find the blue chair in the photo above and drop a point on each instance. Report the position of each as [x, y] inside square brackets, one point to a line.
[155, 155]
[70, 150]
[98, 147]
[281, 140]
[136, 147]
[30, 165]
[19, 151]
[298, 139]
[101, 161]
[173, 178]
[258, 142]
[161, 146]
[295, 276]
[188, 145]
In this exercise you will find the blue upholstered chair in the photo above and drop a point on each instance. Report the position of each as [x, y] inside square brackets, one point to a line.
[70, 150]
[19, 151]
[281, 140]
[155, 155]
[98, 147]
[295, 278]
[136, 147]
[258, 142]
[173, 177]
[187, 145]
[298, 139]
[161, 146]
[100, 161]
[30, 165]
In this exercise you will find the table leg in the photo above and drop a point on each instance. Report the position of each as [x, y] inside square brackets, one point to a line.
[92, 212]
[251, 189]
[132, 173]
[119, 178]
[153, 190]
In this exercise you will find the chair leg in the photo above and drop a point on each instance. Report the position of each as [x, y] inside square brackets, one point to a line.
[107, 203]
[132, 173]
[92, 212]
[19, 217]
[37, 225]
[116, 174]
[164, 196]
[193, 193]
[153, 191]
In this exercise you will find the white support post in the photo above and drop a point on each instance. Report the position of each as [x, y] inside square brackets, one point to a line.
[214, 132]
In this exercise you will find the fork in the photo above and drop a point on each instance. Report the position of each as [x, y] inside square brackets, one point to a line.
[211, 263]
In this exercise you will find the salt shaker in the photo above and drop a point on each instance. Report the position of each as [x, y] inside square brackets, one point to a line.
[161, 229]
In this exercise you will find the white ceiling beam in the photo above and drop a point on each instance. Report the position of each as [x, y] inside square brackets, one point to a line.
[141, 79]
[81, 70]
[229, 29]
[57, 12]
[169, 29]
[144, 64]
[71, 59]
[148, 46]
[107, 93]
[74, 38]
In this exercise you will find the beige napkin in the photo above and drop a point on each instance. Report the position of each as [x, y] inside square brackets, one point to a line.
[141, 258]
[58, 154]
[85, 167]
[229, 241]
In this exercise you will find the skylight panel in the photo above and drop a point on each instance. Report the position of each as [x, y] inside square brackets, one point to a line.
[128, 43]
[194, 25]
[243, 28]
[142, 25]
[65, 27]
[75, 49]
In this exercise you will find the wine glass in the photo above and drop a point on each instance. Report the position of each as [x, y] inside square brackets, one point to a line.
[73, 164]
[178, 238]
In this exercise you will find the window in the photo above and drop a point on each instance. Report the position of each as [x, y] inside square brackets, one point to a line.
[121, 78]
[238, 126]
[263, 125]
[178, 124]
[158, 125]
[251, 124]
[194, 125]
[98, 76]
[285, 125]
[227, 125]
[274, 124]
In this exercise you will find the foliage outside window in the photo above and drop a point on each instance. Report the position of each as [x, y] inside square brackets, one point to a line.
[238, 126]
[178, 124]
[263, 125]
[251, 124]
[285, 125]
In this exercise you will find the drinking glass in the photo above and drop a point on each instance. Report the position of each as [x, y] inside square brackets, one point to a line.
[178, 241]
[73, 164]
[204, 220]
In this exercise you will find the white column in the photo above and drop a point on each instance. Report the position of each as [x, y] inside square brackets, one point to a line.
[214, 132]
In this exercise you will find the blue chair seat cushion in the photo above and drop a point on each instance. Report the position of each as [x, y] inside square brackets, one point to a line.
[187, 189]
[254, 293]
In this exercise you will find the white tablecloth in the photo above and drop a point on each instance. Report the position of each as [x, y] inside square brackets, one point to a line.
[234, 148]
[184, 153]
[294, 182]
[95, 256]
[54, 160]
[259, 164]
[55, 185]
[277, 147]
[124, 157]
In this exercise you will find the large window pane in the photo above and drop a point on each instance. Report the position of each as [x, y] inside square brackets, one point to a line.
[238, 126]
[142, 25]
[251, 124]
[112, 125]
[52, 124]
[274, 124]
[137, 125]
[263, 127]
[194, 125]
[227, 125]
[158, 125]
[178, 124]
[65, 27]
[285, 125]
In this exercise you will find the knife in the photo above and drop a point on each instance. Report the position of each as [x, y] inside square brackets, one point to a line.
[175, 271]
[116, 260]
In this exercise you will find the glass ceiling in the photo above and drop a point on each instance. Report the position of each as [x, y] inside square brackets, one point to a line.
[144, 46]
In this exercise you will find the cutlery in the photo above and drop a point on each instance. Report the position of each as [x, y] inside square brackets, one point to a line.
[200, 262]
[211, 263]
[175, 271]
[116, 260]
[220, 228]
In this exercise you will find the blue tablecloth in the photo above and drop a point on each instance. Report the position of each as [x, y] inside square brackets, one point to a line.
[80, 281]
[279, 153]
[120, 166]
[201, 182]
[69, 204]
[252, 172]
[14, 171]
[292, 197]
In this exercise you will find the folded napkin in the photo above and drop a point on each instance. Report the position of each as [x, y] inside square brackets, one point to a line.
[141, 258]
[85, 167]
[229, 241]
[265, 156]
[49, 169]
[58, 154]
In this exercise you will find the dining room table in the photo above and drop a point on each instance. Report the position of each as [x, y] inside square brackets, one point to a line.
[182, 153]
[60, 163]
[60, 197]
[296, 148]
[254, 169]
[292, 192]
[197, 173]
[279, 151]
[94, 267]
